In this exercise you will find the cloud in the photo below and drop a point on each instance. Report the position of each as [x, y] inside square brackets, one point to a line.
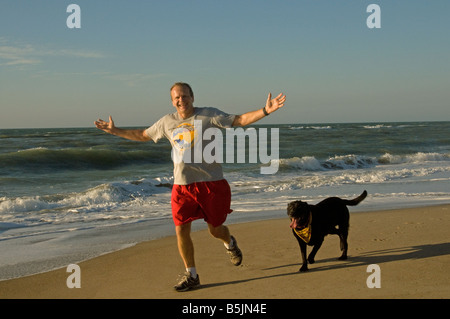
[17, 55]
[21, 55]
[76, 54]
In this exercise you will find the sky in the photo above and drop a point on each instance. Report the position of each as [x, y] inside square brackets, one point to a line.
[127, 54]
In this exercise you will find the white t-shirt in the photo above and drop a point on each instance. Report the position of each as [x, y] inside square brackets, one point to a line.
[186, 137]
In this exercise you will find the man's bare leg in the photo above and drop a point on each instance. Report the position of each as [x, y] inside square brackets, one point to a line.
[223, 233]
[190, 279]
[220, 232]
[185, 244]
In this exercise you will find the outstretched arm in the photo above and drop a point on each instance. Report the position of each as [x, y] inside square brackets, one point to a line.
[109, 127]
[251, 117]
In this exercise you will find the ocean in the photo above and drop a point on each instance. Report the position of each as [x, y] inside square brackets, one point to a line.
[70, 194]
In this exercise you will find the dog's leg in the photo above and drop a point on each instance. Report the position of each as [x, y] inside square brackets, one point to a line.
[314, 251]
[302, 245]
[344, 244]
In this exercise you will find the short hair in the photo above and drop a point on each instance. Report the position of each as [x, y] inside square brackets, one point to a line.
[185, 85]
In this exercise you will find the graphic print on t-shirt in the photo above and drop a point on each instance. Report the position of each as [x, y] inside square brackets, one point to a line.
[184, 136]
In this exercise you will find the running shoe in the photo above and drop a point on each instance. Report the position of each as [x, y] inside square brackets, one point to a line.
[187, 282]
[235, 253]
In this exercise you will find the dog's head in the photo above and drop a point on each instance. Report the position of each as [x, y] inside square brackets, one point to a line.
[298, 212]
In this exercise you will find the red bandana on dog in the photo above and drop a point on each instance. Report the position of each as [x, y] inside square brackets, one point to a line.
[305, 233]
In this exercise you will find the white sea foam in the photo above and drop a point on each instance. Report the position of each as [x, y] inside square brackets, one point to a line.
[377, 126]
[119, 200]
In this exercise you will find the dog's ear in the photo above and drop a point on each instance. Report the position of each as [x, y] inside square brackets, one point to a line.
[291, 208]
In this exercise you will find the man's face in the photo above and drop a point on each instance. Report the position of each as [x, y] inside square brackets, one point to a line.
[182, 100]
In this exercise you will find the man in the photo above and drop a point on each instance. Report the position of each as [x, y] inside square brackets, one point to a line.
[199, 189]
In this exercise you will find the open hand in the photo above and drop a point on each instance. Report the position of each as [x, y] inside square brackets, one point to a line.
[108, 127]
[274, 104]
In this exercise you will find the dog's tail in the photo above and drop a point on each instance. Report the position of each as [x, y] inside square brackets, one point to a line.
[357, 200]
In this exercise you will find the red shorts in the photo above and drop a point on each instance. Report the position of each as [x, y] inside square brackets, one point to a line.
[208, 200]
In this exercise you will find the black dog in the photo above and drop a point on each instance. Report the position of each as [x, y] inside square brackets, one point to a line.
[311, 223]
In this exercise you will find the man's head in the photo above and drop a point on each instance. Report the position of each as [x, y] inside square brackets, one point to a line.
[182, 84]
[182, 99]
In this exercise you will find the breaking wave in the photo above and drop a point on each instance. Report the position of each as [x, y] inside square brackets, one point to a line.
[351, 161]
[98, 203]
[45, 159]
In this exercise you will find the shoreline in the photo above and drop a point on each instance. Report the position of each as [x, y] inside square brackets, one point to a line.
[118, 237]
[410, 245]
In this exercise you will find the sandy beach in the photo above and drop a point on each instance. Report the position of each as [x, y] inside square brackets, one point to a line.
[411, 246]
